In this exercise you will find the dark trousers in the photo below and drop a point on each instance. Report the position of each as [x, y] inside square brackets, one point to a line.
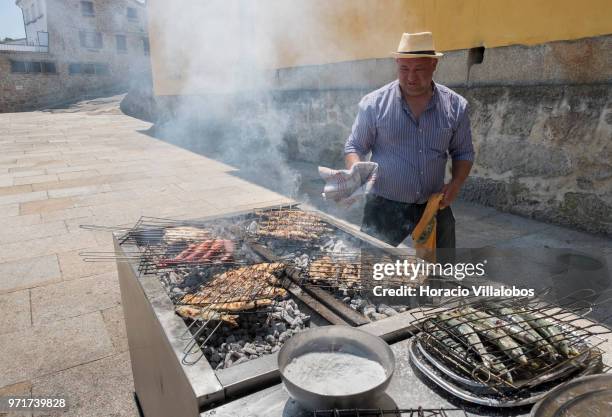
[393, 221]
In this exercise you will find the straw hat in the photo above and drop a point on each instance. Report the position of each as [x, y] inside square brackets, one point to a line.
[416, 45]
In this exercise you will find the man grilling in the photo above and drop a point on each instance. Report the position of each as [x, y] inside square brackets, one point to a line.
[411, 126]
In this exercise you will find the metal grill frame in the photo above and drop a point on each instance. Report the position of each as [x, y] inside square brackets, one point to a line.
[156, 351]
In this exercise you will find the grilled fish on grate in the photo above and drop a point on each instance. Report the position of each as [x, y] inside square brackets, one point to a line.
[199, 313]
[291, 224]
[239, 289]
[184, 233]
[325, 269]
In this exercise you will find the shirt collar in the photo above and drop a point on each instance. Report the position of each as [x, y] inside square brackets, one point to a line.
[432, 101]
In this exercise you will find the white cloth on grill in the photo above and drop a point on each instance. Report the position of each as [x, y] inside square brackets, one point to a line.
[347, 186]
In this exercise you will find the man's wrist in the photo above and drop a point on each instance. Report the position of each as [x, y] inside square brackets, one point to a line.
[455, 182]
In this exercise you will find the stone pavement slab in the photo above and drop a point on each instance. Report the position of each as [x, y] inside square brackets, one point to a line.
[46, 246]
[22, 388]
[52, 347]
[15, 311]
[73, 266]
[74, 298]
[29, 272]
[9, 210]
[20, 233]
[115, 326]
[101, 388]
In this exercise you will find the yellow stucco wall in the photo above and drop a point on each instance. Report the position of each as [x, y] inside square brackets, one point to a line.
[205, 37]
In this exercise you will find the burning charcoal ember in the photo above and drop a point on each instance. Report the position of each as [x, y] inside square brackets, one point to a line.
[249, 349]
[369, 310]
[386, 310]
[258, 334]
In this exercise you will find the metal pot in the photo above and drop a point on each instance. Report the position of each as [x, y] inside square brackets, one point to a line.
[336, 339]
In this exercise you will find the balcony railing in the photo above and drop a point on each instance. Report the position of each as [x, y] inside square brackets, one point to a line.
[22, 48]
[41, 45]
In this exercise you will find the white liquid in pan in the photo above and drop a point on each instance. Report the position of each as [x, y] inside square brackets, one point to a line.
[334, 373]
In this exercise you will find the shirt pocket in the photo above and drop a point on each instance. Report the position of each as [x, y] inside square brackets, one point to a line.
[439, 141]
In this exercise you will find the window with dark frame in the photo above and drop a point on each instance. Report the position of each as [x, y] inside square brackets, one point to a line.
[49, 68]
[91, 40]
[88, 69]
[33, 67]
[18, 67]
[121, 43]
[101, 69]
[132, 13]
[145, 46]
[87, 8]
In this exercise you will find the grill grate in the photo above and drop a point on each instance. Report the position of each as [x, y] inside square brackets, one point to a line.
[398, 412]
[288, 224]
[510, 345]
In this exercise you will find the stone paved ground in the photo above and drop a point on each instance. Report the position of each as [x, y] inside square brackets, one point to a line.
[62, 328]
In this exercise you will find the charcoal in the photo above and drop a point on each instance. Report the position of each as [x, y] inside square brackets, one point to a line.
[369, 310]
[241, 360]
[378, 316]
[250, 351]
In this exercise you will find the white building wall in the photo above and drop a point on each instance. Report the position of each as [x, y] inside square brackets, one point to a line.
[35, 19]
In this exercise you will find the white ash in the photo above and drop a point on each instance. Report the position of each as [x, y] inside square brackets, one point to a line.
[350, 293]
[260, 333]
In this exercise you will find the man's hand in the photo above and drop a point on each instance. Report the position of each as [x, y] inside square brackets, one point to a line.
[460, 170]
[450, 192]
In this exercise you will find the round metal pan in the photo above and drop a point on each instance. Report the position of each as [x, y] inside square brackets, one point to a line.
[336, 339]
[588, 395]
[531, 395]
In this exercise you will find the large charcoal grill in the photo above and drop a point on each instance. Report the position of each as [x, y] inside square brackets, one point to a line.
[171, 357]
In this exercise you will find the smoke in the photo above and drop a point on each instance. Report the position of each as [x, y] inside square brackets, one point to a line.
[219, 59]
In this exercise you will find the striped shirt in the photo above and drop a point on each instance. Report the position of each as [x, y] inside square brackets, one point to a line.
[411, 154]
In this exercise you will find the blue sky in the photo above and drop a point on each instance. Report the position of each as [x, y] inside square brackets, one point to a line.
[11, 20]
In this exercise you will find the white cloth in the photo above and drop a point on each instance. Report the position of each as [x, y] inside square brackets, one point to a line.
[347, 186]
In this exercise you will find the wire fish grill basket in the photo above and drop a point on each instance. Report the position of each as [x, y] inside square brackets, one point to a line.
[506, 351]
[397, 412]
[158, 245]
[224, 299]
[288, 224]
[353, 269]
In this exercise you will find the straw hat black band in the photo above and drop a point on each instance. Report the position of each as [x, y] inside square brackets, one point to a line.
[419, 52]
